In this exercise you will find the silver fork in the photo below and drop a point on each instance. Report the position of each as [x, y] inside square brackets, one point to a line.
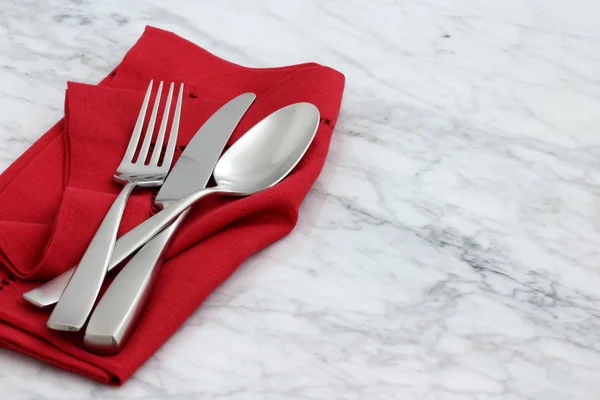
[79, 296]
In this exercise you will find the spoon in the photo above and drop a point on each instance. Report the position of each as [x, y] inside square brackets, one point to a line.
[258, 160]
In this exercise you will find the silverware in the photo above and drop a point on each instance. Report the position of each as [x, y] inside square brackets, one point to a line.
[258, 160]
[223, 120]
[117, 311]
[78, 298]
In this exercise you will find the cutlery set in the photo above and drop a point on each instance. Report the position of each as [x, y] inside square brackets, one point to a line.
[258, 160]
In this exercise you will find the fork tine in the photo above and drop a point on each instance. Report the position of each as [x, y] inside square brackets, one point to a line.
[150, 129]
[174, 131]
[137, 130]
[163, 128]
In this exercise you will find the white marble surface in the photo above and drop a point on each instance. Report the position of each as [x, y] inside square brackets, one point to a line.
[450, 249]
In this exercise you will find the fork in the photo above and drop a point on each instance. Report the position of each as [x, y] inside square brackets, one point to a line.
[78, 298]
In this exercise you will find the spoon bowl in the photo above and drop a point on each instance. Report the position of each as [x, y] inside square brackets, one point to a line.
[269, 150]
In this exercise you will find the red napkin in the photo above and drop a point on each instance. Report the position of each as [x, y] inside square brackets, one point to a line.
[54, 196]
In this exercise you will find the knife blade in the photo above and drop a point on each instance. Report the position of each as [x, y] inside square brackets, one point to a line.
[191, 173]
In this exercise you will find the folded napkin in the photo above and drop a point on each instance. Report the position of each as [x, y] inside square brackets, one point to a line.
[53, 198]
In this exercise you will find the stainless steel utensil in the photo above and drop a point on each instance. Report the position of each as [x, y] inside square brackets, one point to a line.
[78, 298]
[258, 160]
[186, 177]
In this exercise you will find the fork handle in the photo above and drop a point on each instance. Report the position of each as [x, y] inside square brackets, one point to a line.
[119, 308]
[78, 298]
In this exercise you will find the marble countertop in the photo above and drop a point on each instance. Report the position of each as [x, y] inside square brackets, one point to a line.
[450, 249]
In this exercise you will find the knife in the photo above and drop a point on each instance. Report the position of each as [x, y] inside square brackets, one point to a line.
[190, 173]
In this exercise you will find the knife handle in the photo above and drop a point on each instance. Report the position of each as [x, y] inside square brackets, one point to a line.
[49, 292]
[78, 298]
[117, 312]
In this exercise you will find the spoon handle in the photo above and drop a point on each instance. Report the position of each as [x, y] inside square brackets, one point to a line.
[49, 293]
